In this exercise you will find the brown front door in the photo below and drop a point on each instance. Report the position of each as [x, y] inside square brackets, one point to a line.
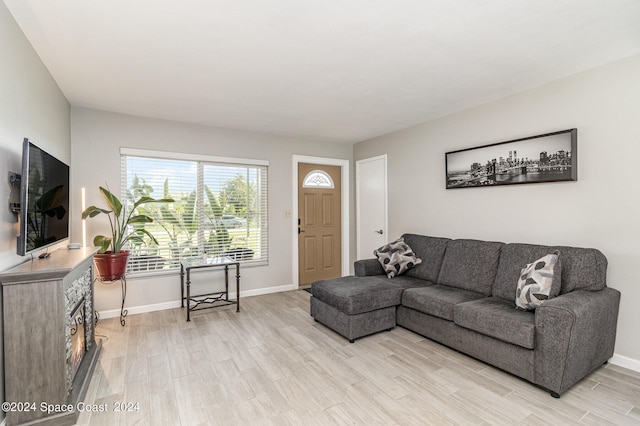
[319, 236]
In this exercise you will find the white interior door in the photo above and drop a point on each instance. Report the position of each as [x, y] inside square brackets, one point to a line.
[371, 205]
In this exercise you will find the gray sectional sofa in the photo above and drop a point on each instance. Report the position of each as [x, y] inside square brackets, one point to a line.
[462, 295]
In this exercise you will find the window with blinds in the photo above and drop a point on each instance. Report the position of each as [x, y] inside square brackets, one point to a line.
[219, 208]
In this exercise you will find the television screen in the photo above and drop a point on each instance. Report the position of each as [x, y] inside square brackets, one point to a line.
[44, 210]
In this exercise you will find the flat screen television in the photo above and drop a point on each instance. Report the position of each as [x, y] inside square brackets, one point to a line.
[44, 200]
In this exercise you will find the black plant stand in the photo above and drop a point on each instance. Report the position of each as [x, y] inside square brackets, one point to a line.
[123, 289]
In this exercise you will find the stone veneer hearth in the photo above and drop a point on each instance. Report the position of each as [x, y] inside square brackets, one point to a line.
[77, 292]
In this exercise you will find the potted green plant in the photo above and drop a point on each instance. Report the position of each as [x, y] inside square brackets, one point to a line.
[126, 226]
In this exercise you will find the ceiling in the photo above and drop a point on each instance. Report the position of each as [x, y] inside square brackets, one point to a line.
[329, 70]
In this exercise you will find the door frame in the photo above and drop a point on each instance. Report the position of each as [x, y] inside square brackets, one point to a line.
[358, 207]
[344, 168]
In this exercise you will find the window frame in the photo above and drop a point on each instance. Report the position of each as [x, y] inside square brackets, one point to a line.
[202, 161]
[310, 182]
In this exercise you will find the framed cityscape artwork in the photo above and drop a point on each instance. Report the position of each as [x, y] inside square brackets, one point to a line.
[551, 157]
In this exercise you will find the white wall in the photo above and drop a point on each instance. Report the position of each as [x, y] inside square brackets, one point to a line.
[31, 105]
[96, 140]
[601, 209]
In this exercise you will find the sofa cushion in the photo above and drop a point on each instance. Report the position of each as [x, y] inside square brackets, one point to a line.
[539, 281]
[470, 265]
[403, 281]
[354, 295]
[496, 318]
[396, 257]
[582, 268]
[437, 300]
[431, 251]
[513, 258]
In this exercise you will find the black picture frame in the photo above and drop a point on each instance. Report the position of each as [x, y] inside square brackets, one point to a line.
[550, 157]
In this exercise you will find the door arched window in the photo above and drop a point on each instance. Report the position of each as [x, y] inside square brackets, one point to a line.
[317, 179]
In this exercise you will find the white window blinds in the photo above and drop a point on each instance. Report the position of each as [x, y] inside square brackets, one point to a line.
[220, 207]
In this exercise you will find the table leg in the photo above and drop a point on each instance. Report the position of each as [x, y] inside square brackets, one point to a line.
[237, 287]
[181, 286]
[188, 294]
[226, 283]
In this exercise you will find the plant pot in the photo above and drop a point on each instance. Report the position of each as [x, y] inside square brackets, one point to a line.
[110, 266]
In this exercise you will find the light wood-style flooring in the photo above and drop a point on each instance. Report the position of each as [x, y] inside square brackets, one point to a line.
[271, 364]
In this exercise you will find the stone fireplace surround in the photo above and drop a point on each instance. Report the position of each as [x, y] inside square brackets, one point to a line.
[78, 294]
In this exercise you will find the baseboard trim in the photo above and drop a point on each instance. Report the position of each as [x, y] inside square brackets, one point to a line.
[113, 313]
[133, 310]
[625, 362]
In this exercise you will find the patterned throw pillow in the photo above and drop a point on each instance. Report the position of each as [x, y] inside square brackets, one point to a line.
[396, 257]
[539, 281]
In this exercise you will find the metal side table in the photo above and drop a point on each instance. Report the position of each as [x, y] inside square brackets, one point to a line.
[215, 299]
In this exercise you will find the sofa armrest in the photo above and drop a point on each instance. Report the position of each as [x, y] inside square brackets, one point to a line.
[367, 267]
[575, 334]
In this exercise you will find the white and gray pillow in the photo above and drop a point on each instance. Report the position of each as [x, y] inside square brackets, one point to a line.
[539, 281]
[396, 257]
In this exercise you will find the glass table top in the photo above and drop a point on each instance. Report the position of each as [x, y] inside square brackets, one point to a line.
[196, 262]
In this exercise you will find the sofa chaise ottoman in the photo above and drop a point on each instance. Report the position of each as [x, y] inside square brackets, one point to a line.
[462, 295]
